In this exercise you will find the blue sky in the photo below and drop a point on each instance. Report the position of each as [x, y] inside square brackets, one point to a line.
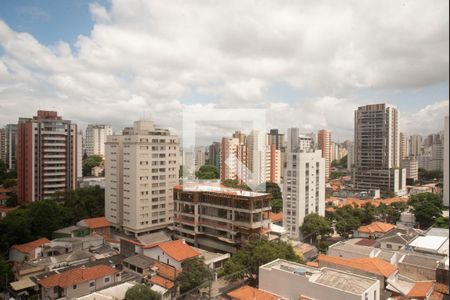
[233, 55]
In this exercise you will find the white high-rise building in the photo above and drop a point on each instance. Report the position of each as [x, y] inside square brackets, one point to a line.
[80, 154]
[141, 172]
[377, 150]
[256, 156]
[446, 162]
[96, 138]
[199, 157]
[303, 188]
[404, 146]
[415, 145]
[233, 160]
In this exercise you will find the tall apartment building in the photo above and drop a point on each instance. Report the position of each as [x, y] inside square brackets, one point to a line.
[233, 160]
[256, 156]
[350, 156]
[240, 136]
[404, 146]
[46, 155]
[199, 157]
[95, 138]
[273, 164]
[415, 145]
[141, 171]
[377, 150]
[324, 143]
[214, 217]
[275, 138]
[214, 155]
[3, 145]
[10, 146]
[446, 162]
[411, 165]
[80, 154]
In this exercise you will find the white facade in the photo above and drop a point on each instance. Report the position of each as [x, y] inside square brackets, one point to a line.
[303, 189]
[141, 169]
[446, 163]
[96, 138]
[256, 156]
[412, 167]
[404, 146]
[199, 157]
[80, 154]
[415, 145]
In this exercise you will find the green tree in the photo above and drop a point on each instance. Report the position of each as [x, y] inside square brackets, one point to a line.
[91, 162]
[6, 274]
[207, 172]
[141, 292]
[345, 226]
[277, 205]
[234, 183]
[367, 214]
[84, 203]
[194, 274]
[441, 222]
[257, 253]
[314, 225]
[274, 189]
[426, 208]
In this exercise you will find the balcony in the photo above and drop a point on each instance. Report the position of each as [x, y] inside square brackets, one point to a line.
[55, 179]
[55, 174]
[54, 144]
[46, 155]
[54, 185]
[48, 168]
[54, 138]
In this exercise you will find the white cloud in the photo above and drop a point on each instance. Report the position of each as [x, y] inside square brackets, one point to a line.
[148, 55]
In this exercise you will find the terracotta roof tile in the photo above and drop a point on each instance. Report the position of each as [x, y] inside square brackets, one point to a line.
[372, 265]
[29, 247]
[276, 217]
[441, 288]
[421, 289]
[99, 222]
[76, 276]
[313, 264]
[250, 293]
[376, 227]
[436, 296]
[165, 283]
[178, 250]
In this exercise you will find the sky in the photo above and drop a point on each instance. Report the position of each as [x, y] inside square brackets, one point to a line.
[308, 64]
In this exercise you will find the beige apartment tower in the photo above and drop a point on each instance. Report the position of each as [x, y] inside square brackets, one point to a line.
[141, 171]
[324, 140]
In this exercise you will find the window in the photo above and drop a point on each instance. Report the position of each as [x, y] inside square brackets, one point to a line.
[107, 279]
[92, 283]
[389, 246]
[74, 286]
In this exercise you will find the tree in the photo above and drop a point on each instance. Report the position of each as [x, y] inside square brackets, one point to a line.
[234, 183]
[194, 274]
[277, 205]
[207, 172]
[84, 202]
[6, 274]
[141, 292]
[345, 226]
[257, 253]
[314, 225]
[441, 222]
[91, 162]
[274, 189]
[426, 208]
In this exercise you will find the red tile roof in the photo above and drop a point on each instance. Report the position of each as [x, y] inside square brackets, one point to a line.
[421, 289]
[29, 247]
[94, 223]
[76, 276]
[178, 250]
[276, 217]
[4, 197]
[441, 288]
[372, 265]
[313, 264]
[165, 283]
[7, 209]
[376, 227]
[250, 293]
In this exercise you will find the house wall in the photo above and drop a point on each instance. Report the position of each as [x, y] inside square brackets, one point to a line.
[416, 272]
[157, 254]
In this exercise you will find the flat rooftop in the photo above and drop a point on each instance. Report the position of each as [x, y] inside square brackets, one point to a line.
[431, 243]
[340, 280]
[217, 188]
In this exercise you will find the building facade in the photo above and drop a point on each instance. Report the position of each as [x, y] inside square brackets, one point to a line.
[377, 150]
[214, 155]
[46, 154]
[10, 146]
[3, 145]
[141, 171]
[275, 138]
[95, 138]
[412, 167]
[415, 145]
[233, 160]
[446, 163]
[217, 218]
[324, 142]
[404, 146]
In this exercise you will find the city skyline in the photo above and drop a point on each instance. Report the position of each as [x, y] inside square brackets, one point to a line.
[79, 63]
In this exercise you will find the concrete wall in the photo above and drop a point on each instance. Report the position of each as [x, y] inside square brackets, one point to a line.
[157, 254]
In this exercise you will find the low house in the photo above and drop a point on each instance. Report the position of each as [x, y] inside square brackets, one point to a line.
[250, 293]
[213, 260]
[70, 232]
[78, 282]
[173, 253]
[418, 266]
[408, 289]
[98, 225]
[27, 251]
[139, 264]
[307, 251]
[276, 218]
[116, 292]
[373, 230]
[352, 249]
[397, 239]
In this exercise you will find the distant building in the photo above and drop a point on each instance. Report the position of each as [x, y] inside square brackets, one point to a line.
[275, 138]
[411, 165]
[3, 145]
[95, 138]
[10, 146]
[324, 143]
[214, 217]
[446, 163]
[214, 155]
[141, 170]
[377, 149]
[233, 160]
[404, 146]
[415, 145]
[47, 156]
[199, 157]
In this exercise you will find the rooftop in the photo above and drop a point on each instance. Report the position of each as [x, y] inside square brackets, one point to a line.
[352, 247]
[94, 223]
[375, 266]
[140, 260]
[376, 227]
[340, 280]
[165, 283]
[250, 293]
[421, 289]
[217, 188]
[178, 250]
[29, 247]
[431, 243]
[75, 276]
[112, 293]
[276, 217]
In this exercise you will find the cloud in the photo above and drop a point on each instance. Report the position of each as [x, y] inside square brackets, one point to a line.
[148, 55]
[429, 119]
